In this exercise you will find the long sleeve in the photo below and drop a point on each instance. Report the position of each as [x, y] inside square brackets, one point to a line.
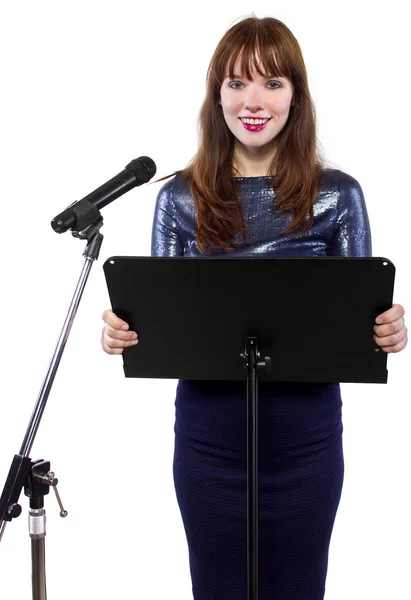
[165, 238]
[352, 235]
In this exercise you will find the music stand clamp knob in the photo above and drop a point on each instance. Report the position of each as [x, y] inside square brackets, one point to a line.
[267, 364]
[251, 355]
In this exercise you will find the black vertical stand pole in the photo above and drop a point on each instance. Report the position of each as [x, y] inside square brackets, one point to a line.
[38, 576]
[251, 356]
[37, 524]
[252, 468]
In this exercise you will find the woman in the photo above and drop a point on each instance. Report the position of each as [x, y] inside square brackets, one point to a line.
[258, 186]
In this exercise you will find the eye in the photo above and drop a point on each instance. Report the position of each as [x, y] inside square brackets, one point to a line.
[235, 85]
[275, 83]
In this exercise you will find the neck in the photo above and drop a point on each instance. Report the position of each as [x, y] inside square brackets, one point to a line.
[252, 162]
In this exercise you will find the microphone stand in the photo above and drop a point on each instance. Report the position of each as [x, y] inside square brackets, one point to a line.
[36, 476]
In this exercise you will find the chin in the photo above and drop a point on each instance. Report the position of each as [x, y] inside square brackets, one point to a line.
[255, 143]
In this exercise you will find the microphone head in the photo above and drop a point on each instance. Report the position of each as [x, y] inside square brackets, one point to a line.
[143, 168]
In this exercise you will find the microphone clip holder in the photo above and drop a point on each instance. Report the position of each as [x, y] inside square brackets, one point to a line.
[93, 237]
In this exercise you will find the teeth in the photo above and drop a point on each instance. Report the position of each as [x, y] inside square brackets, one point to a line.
[254, 121]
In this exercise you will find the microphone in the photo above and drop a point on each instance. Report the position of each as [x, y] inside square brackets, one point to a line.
[82, 213]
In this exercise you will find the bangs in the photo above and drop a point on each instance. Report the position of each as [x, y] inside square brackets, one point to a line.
[254, 55]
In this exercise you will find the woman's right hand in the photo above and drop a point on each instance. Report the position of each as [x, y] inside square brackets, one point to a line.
[115, 336]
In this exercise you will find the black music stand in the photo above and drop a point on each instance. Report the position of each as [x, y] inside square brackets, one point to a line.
[213, 318]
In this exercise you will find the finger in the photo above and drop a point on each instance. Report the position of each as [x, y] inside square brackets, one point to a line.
[390, 340]
[118, 334]
[113, 343]
[394, 313]
[397, 347]
[390, 328]
[109, 350]
[113, 320]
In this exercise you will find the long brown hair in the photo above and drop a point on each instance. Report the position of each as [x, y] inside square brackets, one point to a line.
[298, 162]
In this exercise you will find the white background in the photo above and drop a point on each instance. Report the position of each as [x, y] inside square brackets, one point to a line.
[86, 87]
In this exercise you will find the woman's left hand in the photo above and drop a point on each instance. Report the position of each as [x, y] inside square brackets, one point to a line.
[392, 334]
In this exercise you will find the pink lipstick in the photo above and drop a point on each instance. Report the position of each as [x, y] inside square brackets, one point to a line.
[254, 127]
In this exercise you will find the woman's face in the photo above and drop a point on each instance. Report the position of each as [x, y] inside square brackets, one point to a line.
[255, 110]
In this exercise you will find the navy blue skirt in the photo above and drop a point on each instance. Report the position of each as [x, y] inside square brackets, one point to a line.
[301, 471]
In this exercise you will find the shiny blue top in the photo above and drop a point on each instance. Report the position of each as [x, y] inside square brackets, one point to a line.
[341, 226]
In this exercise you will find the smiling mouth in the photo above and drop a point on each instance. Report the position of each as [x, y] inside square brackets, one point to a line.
[254, 124]
[250, 121]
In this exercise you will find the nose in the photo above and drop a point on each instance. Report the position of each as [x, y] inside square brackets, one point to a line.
[253, 99]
